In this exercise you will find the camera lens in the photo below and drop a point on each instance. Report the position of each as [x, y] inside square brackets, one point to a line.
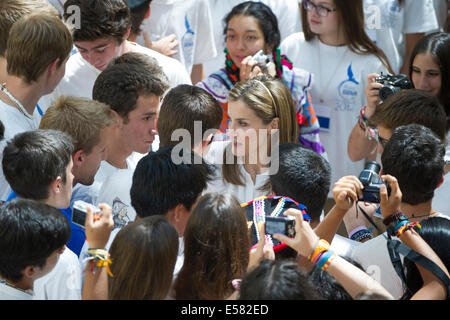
[387, 90]
[373, 166]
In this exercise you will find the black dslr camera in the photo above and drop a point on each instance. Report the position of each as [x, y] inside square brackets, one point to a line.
[392, 84]
[370, 178]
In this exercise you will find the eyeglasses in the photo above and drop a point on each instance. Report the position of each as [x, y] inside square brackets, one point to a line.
[320, 10]
[382, 141]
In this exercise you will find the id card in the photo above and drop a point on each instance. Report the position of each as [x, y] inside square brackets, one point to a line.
[323, 113]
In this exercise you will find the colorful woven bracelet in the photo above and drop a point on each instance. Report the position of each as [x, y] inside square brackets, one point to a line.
[407, 227]
[364, 124]
[97, 258]
[320, 247]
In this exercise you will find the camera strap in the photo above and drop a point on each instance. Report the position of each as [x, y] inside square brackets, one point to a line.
[397, 248]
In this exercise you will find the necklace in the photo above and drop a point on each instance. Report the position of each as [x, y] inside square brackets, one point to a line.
[18, 104]
[423, 216]
[322, 88]
[6, 283]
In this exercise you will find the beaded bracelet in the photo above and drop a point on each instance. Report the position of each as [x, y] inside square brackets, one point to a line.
[362, 235]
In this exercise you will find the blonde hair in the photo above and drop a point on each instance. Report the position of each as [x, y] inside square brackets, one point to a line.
[81, 118]
[268, 98]
[35, 41]
[14, 10]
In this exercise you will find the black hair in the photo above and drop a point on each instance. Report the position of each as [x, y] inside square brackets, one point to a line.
[120, 86]
[99, 19]
[137, 15]
[303, 176]
[2, 130]
[327, 286]
[436, 233]
[267, 20]
[277, 280]
[438, 45]
[30, 232]
[33, 159]
[160, 184]
[415, 156]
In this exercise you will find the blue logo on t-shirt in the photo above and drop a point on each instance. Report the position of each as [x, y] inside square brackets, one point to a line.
[347, 91]
[187, 41]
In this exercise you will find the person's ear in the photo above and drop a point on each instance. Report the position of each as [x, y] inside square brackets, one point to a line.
[275, 124]
[30, 271]
[179, 212]
[53, 66]
[147, 15]
[441, 181]
[78, 158]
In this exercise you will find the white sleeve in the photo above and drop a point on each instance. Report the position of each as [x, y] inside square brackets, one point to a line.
[205, 48]
[420, 17]
[63, 282]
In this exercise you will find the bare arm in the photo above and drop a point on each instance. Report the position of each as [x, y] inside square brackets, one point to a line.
[359, 146]
[433, 288]
[97, 233]
[353, 279]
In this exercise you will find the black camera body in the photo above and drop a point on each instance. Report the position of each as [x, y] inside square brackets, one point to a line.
[392, 84]
[371, 180]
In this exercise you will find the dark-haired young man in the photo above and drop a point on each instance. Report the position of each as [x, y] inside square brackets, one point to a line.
[102, 36]
[162, 187]
[32, 238]
[414, 155]
[38, 166]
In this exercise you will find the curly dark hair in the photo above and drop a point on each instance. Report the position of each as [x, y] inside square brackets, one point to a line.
[100, 19]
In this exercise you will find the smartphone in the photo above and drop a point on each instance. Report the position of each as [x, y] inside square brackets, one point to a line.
[79, 212]
[282, 225]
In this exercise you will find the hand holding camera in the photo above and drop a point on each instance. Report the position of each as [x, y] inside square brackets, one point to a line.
[390, 196]
[255, 65]
[98, 222]
[346, 191]
[305, 238]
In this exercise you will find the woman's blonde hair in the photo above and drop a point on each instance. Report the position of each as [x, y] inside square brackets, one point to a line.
[268, 98]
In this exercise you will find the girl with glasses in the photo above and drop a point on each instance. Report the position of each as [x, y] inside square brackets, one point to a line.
[336, 49]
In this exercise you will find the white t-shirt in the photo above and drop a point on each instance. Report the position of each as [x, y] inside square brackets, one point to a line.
[242, 193]
[80, 76]
[63, 282]
[387, 23]
[286, 11]
[374, 258]
[337, 94]
[8, 292]
[14, 122]
[190, 21]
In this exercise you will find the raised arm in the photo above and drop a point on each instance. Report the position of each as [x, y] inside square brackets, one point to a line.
[433, 288]
[360, 145]
[97, 233]
[307, 244]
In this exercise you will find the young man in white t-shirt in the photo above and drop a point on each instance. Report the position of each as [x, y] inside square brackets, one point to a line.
[38, 49]
[38, 166]
[28, 250]
[100, 34]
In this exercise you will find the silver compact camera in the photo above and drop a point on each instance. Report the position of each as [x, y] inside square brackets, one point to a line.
[79, 212]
